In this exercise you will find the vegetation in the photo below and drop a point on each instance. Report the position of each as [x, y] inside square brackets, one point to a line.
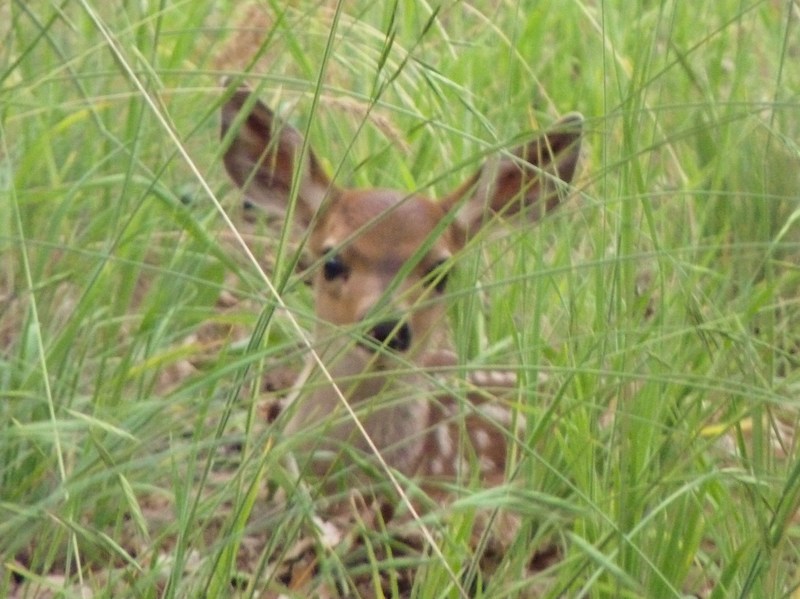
[653, 320]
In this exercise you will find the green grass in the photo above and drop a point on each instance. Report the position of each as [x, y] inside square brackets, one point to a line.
[661, 301]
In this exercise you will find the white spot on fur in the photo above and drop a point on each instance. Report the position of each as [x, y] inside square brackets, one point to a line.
[444, 441]
[493, 378]
[497, 414]
[487, 464]
[482, 439]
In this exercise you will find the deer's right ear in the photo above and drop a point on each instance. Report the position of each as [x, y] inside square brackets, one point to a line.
[265, 156]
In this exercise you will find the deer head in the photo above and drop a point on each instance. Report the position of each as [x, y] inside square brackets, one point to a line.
[383, 260]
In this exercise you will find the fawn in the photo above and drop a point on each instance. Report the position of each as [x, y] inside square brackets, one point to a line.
[379, 288]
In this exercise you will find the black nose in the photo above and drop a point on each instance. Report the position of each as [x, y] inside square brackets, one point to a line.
[393, 334]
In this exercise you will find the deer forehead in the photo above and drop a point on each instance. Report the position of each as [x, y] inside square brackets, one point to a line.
[384, 228]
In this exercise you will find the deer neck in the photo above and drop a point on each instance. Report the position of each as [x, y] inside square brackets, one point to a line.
[389, 394]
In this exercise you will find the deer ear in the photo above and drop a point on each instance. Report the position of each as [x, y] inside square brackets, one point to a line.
[265, 156]
[532, 179]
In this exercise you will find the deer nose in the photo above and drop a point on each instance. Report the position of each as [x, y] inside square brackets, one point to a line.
[393, 334]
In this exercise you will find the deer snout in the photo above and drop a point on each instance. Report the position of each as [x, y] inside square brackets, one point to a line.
[394, 334]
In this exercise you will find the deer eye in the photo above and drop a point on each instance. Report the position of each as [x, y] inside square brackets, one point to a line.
[334, 268]
[437, 276]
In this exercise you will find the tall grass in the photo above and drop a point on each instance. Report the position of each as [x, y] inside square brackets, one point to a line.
[659, 303]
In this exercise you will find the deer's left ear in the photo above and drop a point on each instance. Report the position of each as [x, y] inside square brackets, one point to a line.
[532, 180]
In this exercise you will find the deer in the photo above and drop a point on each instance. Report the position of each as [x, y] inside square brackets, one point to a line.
[382, 260]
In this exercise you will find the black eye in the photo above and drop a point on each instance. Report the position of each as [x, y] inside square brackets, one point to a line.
[334, 268]
[437, 276]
